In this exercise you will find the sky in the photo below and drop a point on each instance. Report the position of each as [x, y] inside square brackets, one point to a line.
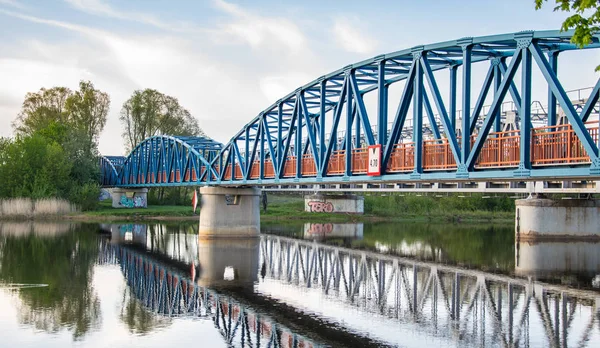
[224, 60]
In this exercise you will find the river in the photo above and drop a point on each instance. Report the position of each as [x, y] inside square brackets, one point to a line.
[298, 285]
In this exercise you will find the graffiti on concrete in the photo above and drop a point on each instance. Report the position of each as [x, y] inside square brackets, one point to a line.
[319, 229]
[320, 207]
[133, 202]
[104, 195]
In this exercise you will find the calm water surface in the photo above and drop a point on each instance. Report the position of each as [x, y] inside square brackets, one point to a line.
[298, 285]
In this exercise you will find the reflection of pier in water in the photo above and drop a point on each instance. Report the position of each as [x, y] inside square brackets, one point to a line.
[412, 301]
[170, 292]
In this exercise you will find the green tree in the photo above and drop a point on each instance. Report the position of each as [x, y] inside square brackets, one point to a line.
[148, 113]
[42, 108]
[83, 111]
[584, 18]
[87, 110]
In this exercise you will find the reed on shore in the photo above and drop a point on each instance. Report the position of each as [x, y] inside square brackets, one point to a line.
[28, 208]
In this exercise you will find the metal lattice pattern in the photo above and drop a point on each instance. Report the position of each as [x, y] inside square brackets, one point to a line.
[320, 132]
[459, 303]
[168, 292]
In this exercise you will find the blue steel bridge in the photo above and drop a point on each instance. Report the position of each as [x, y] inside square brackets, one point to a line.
[322, 133]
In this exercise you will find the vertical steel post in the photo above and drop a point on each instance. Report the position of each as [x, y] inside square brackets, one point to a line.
[497, 82]
[453, 73]
[348, 146]
[382, 103]
[553, 60]
[279, 134]
[466, 100]
[263, 125]
[298, 146]
[322, 119]
[525, 113]
[418, 115]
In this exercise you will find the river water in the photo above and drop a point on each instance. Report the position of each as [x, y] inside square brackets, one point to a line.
[298, 285]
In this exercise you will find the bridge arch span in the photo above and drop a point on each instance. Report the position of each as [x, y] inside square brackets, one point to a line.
[165, 160]
[320, 132]
[109, 169]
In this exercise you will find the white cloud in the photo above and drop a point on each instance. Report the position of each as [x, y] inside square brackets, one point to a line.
[224, 79]
[100, 8]
[350, 36]
[260, 31]
[13, 3]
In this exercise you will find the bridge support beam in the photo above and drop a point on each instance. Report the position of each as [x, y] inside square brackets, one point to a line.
[130, 198]
[229, 212]
[539, 218]
[320, 203]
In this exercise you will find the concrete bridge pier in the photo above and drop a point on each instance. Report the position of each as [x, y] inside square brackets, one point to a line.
[229, 213]
[539, 218]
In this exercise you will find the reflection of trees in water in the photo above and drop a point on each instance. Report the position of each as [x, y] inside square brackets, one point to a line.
[64, 261]
[137, 317]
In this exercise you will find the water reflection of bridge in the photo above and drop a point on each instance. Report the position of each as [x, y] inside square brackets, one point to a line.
[471, 306]
[390, 299]
[170, 292]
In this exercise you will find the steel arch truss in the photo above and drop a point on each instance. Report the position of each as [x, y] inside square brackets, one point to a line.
[319, 133]
[169, 161]
[109, 169]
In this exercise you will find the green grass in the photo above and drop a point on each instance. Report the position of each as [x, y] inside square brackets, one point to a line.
[391, 208]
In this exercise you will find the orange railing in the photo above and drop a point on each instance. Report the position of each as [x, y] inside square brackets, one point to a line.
[500, 150]
[437, 155]
[402, 158]
[553, 145]
[559, 145]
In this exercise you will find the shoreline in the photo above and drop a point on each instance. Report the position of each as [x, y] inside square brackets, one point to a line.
[278, 216]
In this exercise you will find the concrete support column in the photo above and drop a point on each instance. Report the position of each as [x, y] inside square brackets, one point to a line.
[130, 198]
[320, 203]
[538, 218]
[229, 212]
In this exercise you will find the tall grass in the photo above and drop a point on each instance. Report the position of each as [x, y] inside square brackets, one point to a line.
[27, 208]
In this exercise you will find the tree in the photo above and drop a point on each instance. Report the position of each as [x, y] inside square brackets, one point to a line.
[41, 108]
[585, 19]
[83, 111]
[148, 113]
[87, 110]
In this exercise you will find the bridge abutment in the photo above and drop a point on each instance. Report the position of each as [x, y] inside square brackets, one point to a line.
[229, 212]
[320, 203]
[540, 218]
[130, 198]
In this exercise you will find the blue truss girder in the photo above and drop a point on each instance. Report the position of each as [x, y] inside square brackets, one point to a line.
[316, 133]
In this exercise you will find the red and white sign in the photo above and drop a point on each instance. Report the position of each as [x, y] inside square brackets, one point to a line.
[374, 160]
[195, 200]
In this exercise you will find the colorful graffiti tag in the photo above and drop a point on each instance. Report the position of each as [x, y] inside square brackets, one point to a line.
[319, 229]
[133, 202]
[320, 207]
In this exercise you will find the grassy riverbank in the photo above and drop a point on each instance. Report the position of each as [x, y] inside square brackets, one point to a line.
[377, 208]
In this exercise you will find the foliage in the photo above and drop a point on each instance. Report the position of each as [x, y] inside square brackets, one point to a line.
[148, 113]
[62, 260]
[585, 19]
[50, 163]
[84, 111]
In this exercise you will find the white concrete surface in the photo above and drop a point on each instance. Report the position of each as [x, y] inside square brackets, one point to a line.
[229, 212]
[559, 219]
[321, 203]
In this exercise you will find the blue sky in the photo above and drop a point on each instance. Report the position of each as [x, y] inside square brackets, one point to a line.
[224, 60]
